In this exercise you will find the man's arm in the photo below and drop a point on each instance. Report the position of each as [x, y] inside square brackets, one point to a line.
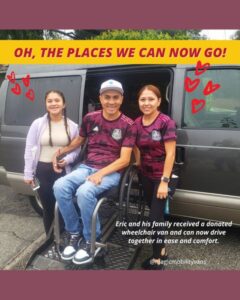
[75, 143]
[120, 163]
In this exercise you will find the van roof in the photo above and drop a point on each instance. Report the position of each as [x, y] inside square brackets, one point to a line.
[42, 68]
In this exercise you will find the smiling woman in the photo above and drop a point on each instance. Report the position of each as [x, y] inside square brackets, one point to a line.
[155, 154]
[45, 136]
[55, 104]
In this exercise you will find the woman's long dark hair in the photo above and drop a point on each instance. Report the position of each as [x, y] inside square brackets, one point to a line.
[64, 114]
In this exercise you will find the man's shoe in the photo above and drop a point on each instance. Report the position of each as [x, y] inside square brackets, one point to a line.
[150, 264]
[83, 255]
[72, 247]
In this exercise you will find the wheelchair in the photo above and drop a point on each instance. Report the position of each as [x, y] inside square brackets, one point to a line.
[123, 203]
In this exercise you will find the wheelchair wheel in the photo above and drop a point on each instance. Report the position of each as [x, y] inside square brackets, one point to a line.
[131, 196]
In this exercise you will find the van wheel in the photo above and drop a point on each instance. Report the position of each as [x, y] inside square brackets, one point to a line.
[36, 204]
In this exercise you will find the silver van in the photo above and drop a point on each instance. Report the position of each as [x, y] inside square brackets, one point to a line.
[208, 145]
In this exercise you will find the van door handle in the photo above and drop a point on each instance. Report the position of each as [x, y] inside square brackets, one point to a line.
[180, 156]
[179, 163]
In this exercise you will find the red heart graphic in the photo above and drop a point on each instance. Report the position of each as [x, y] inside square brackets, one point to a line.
[191, 85]
[195, 103]
[11, 77]
[26, 80]
[16, 89]
[30, 95]
[210, 88]
[201, 68]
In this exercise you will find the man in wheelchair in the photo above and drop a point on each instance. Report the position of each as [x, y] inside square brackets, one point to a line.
[111, 136]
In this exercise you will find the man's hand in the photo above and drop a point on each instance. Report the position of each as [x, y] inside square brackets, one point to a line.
[137, 164]
[95, 178]
[137, 156]
[62, 163]
[75, 143]
[56, 168]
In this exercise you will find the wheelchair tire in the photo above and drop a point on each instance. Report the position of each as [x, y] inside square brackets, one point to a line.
[128, 208]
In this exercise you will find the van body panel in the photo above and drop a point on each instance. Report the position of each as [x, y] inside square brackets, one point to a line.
[16, 182]
[202, 205]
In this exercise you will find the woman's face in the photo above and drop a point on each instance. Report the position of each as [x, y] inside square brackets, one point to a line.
[54, 104]
[148, 102]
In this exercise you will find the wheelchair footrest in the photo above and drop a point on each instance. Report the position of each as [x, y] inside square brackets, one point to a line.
[118, 255]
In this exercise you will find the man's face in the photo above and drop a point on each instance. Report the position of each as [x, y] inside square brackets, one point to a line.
[111, 102]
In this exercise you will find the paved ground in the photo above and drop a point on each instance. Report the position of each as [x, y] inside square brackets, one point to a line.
[21, 231]
[20, 228]
[222, 256]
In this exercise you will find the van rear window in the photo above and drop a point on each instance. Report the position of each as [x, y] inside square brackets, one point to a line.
[221, 108]
[21, 111]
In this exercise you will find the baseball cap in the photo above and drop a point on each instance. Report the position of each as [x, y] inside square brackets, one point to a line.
[111, 85]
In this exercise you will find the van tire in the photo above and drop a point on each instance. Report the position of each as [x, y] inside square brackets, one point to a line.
[36, 204]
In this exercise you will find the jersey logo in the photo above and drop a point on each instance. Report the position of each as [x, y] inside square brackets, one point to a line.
[95, 129]
[156, 136]
[117, 134]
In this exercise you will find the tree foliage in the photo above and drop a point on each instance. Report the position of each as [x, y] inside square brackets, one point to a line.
[148, 35]
[121, 34]
[86, 34]
[29, 35]
[21, 34]
[236, 35]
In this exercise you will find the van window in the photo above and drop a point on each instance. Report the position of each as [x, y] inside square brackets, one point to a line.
[222, 108]
[19, 110]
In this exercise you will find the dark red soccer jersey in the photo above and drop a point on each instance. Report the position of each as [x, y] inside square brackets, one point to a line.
[106, 138]
[150, 141]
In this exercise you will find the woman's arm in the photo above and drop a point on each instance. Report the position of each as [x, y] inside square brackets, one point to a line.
[170, 148]
[30, 152]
